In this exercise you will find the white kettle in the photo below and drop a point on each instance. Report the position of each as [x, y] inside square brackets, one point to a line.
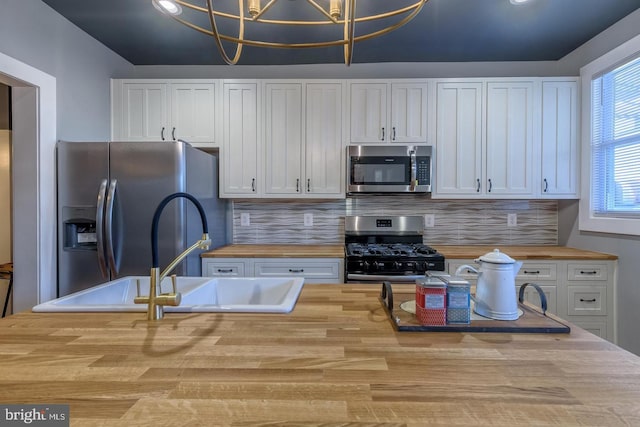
[496, 288]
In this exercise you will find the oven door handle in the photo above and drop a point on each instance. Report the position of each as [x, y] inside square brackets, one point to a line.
[381, 277]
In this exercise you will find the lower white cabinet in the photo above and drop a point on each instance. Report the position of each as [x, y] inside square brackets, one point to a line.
[314, 270]
[579, 291]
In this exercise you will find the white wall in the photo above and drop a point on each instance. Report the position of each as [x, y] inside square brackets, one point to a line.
[626, 247]
[5, 208]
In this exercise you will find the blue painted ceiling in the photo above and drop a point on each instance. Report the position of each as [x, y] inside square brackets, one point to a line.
[444, 31]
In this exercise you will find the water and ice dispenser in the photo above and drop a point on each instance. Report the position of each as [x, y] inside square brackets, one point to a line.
[79, 228]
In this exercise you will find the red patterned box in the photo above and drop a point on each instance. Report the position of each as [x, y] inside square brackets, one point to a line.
[431, 302]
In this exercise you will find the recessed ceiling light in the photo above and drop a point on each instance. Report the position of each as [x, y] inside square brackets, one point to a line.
[167, 6]
[518, 1]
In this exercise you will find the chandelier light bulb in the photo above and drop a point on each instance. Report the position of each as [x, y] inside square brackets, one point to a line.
[335, 9]
[254, 8]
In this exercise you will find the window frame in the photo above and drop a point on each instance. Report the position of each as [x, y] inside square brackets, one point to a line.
[587, 219]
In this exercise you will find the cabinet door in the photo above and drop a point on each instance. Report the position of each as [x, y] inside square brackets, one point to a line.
[369, 112]
[144, 112]
[459, 138]
[559, 160]
[240, 154]
[408, 113]
[283, 138]
[324, 153]
[509, 143]
[193, 112]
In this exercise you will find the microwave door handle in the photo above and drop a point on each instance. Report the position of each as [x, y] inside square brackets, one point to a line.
[414, 171]
[102, 260]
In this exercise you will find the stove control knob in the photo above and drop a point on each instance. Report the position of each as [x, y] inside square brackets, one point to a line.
[428, 265]
[397, 265]
[411, 265]
[378, 265]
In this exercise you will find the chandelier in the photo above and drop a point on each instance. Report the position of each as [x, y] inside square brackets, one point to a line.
[335, 20]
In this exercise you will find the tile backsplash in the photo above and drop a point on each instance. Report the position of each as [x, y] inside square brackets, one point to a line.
[457, 222]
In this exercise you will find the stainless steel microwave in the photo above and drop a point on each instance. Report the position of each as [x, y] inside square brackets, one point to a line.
[389, 168]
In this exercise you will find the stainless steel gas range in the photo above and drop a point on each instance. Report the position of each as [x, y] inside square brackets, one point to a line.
[380, 248]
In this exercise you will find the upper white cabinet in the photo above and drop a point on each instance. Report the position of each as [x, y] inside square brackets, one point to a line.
[153, 110]
[388, 112]
[303, 139]
[506, 138]
[559, 139]
[241, 156]
[509, 142]
[459, 140]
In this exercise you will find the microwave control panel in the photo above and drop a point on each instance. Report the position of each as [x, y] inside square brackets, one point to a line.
[424, 171]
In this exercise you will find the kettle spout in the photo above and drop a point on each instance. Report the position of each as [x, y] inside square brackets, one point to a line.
[516, 268]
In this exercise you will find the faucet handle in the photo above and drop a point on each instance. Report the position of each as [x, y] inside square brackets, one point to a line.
[139, 299]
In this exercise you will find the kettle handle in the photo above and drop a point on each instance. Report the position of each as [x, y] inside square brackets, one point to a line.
[464, 267]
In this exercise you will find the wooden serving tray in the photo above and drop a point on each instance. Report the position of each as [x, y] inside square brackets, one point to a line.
[532, 320]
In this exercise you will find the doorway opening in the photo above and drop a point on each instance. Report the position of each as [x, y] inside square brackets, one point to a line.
[5, 197]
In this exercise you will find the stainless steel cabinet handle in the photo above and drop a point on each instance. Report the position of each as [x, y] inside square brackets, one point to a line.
[308, 185]
[173, 133]
[296, 270]
[589, 272]
[490, 185]
[297, 185]
[546, 185]
[393, 135]
[162, 133]
[253, 185]
[382, 134]
[478, 185]
[587, 300]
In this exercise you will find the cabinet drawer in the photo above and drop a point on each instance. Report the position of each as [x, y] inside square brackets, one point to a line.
[587, 300]
[224, 269]
[320, 270]
[590, 271]
[537, 271]
[596, 328]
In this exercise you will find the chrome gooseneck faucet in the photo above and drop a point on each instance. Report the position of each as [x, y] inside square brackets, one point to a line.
[156, 299]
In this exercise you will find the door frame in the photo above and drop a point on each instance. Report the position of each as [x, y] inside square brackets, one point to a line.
[33, 140]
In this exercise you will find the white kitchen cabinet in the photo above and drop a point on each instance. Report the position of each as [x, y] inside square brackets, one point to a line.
[582, 292]
[485, 138]
[303, 140]
[388, 112]
[459, 141]
[154, 110]
[559, 167]
[241, 155]
[509, 140]
[283, 138]
[314, 270]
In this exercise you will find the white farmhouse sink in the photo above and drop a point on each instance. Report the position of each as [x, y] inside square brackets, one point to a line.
[199, 294]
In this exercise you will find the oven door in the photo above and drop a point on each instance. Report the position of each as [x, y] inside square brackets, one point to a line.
[379, 278]
[374, 169]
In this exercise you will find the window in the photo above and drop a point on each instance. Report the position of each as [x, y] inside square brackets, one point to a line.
[610, 199]
[615, 141]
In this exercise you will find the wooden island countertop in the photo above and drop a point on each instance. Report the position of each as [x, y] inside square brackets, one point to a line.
[334, 360]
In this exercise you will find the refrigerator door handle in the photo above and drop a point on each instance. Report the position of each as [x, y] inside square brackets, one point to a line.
[108, 225]
[102, 261]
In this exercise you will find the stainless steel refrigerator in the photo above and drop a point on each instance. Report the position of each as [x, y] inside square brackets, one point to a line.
[107, 195]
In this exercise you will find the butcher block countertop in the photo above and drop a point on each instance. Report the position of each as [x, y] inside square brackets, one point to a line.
[334, 360]
[276, 251]
[450, 252]
[524, 252]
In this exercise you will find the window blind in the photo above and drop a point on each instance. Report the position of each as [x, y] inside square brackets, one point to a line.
[615, 144]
